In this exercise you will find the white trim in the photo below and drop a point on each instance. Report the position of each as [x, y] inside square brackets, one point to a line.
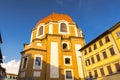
[42, 24]
[76, 32]
[23, 58]
[63, 21]
[31, 37]
[22, 74]
[68, 46]
[118, 34]
[81, 33]
[50, 28]
[70, 57]
[71, 72]
[54, 61]
[36, 74]
[37, 67]
[79, 60]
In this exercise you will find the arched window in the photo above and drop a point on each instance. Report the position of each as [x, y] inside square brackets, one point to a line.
[63, 27]
[25, 60]
[40, 31]
[64, 46]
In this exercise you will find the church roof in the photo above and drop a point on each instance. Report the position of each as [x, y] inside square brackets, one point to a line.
[56, 17]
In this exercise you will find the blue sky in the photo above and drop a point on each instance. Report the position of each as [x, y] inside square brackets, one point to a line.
[18, 17]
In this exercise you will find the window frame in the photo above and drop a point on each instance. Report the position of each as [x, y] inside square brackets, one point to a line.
[100, 43]
[112, 51]
[90, 75]
[117, 66]
[95, 73]
[68, 47]
[23, 60]
[62, 27]
[109, 69]
[92, 60]
[98, 57]
[70, 57]
[95, 46]
[102, 71]
[90, 49]
[63, 21]
[104, 54]
[88, 62]
[118, 34]
[85, 52]
[34, 65]
[37, 34]
[71, 74]
[107, 39]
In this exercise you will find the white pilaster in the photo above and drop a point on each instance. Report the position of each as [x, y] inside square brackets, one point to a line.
[79, 60]
[54, 68]
[50, 28]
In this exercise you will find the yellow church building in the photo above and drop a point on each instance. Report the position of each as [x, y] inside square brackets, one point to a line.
[53, 51]
[101, 57]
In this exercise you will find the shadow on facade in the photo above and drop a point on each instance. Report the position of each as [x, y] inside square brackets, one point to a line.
[44, 73]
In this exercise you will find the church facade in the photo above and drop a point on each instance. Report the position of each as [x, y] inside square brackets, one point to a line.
[53, 51]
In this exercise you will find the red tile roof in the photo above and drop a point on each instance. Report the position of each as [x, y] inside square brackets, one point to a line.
[55, 17]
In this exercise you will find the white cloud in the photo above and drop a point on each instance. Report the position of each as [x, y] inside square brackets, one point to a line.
[12, 66]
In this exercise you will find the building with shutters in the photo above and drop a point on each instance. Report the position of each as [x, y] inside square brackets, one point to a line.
[52, 53]
[101, 57]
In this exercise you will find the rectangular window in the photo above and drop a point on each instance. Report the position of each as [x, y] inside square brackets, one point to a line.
[118, 34]
[68, 74]
[100, 42]
[112, 52]
[37, 62]
[102, 71]
[67, 60]
[90, 49]
[96, 74]
[117, 65]
[98, 57]
[85, 52]
[92, 59]
[109, 69]
[24, 62]
[95, 46]
[88, 61]
[107, 39]
[104, 54]
[90, 75]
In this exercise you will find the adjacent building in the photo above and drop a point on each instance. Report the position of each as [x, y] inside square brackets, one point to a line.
[10, 76]
[53, 51]
[101, 57]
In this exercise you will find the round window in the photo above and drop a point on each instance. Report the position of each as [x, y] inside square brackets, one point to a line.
[64, 46]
